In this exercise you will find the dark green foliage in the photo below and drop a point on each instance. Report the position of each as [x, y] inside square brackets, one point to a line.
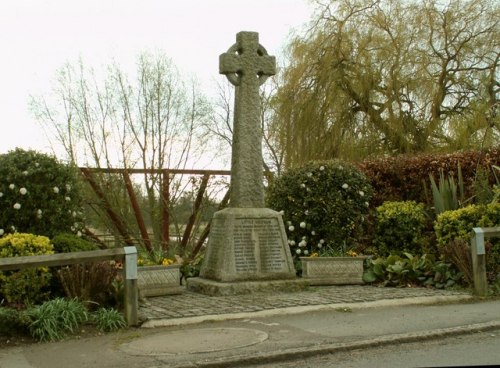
[400, 228]
[323, 204]
[39, 195]
[66, 243]
[411, 270]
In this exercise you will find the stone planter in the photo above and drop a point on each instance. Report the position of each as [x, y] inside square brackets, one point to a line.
[158, 280]
[333, 270]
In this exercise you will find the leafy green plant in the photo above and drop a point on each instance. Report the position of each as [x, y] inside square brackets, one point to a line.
[445, 195]
[51, 320]
[323, 204]
[108, 319]
[25, 286]
[67, 242]
[407, 269]
[9, 321]
[400, 228]
[38, 195]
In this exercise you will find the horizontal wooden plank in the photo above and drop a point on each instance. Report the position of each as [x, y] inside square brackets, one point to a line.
[156, 171]
[60, 259]
[490, 232]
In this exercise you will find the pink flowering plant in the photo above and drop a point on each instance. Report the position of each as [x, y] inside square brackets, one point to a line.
[324, 205]
[39, 195]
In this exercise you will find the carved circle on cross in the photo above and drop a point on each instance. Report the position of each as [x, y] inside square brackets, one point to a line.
[235, 78]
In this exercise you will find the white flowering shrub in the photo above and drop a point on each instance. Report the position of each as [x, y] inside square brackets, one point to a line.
[38, 195]
[324, 205]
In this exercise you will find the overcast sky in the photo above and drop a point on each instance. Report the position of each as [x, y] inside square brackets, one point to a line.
[38, 36]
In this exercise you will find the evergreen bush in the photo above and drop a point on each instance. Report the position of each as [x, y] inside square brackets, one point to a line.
[38, 195]
[400, 228]
[25, 286]
[324, 204]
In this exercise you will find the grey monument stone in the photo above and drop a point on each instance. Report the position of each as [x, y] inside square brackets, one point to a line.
[247, 247]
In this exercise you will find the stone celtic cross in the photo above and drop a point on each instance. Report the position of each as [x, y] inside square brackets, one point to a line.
[247, 65]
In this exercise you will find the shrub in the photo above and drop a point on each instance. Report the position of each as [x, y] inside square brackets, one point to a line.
[410, 270]
[38, 195]
[403, 177]
[89, 282]
[66, 243]
[25, 286]
[456, 225]
[53, 319]
[323, 204]
[108, 319]
[400, 228]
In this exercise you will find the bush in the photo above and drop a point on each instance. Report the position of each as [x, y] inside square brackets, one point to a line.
[108, 320]
[25, 286]
[53, 319]
[456, 225]
[89, 282]
[38, 195]
[400, 228]
[323, 204]
[407, 270]
[66, 243]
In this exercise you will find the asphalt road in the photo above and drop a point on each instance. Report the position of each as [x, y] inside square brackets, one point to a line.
[482, 348]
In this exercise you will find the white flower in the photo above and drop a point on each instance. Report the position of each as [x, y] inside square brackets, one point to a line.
[345, 186]
[1, 231]
[313, 233]
[302, 225]
[68, 187]
[17, 206]
[298, 251]
[12, 186]
[322, 241]
[361, 193]
[291, 228]
[306, 252]
[56, 190]
[302, 185]
[23, 191]
[67, 199]
[25, 173]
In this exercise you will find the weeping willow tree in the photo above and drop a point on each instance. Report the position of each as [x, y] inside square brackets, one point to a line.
[391, 77]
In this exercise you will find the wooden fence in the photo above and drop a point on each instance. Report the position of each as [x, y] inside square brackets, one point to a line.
[127, 255]
[119, 224]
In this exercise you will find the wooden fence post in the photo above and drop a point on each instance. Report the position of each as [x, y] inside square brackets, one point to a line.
[479, 262]
[130, 282]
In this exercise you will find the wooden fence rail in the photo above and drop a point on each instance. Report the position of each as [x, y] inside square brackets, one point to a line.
[128, 255]
[478, 252]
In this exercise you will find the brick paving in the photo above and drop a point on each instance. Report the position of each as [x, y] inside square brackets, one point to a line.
[189, 304]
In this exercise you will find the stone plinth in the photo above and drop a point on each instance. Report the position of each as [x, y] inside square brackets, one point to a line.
[245, 245]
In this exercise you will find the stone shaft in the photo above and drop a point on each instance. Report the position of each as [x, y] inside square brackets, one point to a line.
[247, 66]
